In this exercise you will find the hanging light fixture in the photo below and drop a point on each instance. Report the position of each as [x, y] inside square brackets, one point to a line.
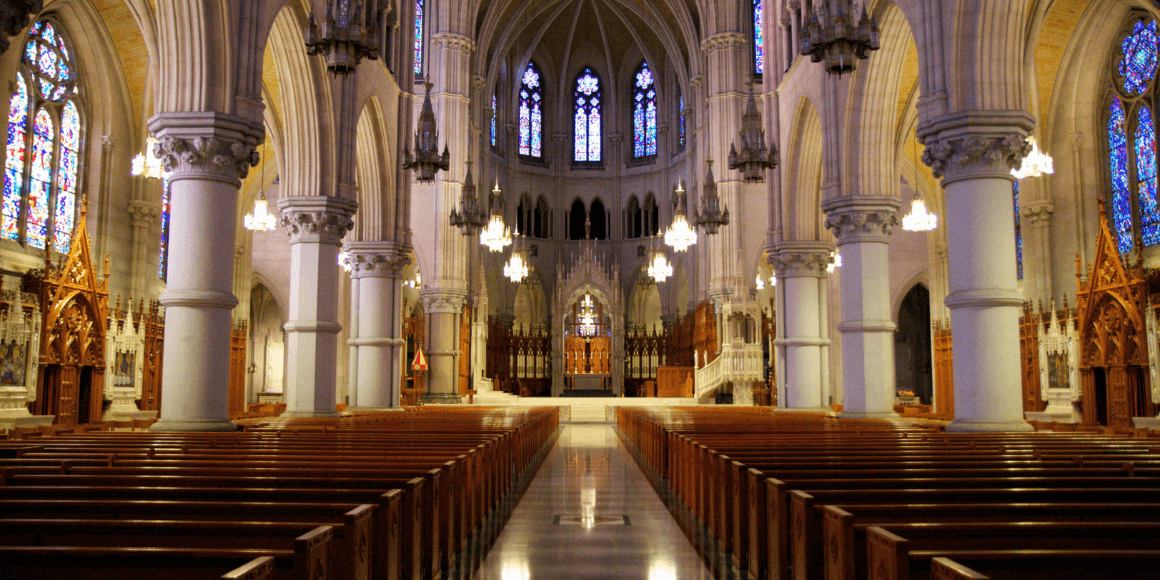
[427, 161]
[586, 317]
[148, 164]
[516, 268]
[261, 220]
[835, 262]
[680, 235]
[659, 268]
[711, 216]
[414, 282]
[830, 35]
[343, 259]
[760, 283]
[496, 236]
[1035, 163]
[918, 220]
[754, 157]
[469, 217]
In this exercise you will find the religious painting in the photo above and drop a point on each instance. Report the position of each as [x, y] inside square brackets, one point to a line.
[13, 361]
[123, 369]
[1058, 370]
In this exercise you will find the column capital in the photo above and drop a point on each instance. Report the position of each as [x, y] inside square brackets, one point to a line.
[724, 40]
[206, 145]
[445, 301]
[452, 41]
[802, 259]
[976, 144]
[317, 218]
[377, 259]
[861, 218]
[142, 212]
[1038, 212]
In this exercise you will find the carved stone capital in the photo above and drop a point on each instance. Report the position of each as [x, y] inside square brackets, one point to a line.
[976, 144]
[142, 213]
[861, 218]
[723, 41]
[802, 259]
[452, 41]
[1038, 212]
[377, 259]
[206, 145]
[318, 219]
[15, 16]
[445, 301]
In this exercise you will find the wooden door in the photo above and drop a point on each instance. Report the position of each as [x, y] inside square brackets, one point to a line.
[69, 394]
[465, 351]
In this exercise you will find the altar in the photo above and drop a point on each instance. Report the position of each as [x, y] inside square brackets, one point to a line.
[588, 382]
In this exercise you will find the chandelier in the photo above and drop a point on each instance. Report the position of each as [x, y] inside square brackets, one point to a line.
[148, 164]
[759, 282]
[348, 33]
[516, 268]
[496, 236]
[659, 268]
[344, 260]
[261, 220]
[835, 262]
[469, 217]
[414, 282]
[711, 216]
[680, 235]
[918, 220]
[754, 157]
[427, 161]
[1035, 163]
[587, 316]
[830, 35]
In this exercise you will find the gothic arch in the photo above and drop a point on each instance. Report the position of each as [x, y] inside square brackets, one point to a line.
[803, 173]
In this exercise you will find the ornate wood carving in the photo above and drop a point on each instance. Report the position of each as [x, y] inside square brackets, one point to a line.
[154, 321]
[465, 350]
[415, 333]
[72, 350]
[1110, 303]
[944, 380]
[1029, 324]
[238, 335]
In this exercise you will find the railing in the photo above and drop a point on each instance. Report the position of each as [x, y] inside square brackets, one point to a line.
[737, 362]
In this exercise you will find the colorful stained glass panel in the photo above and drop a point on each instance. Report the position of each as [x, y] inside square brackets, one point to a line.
[1138, 66]
[586, 123]
[43, 135]
[1145, 143]
[1018, 233]
[14, 162]
[758, 38]
[165, 193]
[494, 113]
[418, 37]
[644, 114]
[531, 94]
[1118, 168]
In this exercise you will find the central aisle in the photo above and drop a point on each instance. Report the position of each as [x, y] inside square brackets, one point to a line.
[590, 513]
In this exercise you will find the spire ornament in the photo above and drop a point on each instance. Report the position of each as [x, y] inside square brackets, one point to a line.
[470, 217]
[754, 157]
[711, 217]
[427, 160]
[348, 34]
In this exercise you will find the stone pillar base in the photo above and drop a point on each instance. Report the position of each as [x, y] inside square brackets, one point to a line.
[206, 425]
[977, 426]
[25, 421]
[289, 413]
[868, 415]
[1147, 422]
[802, 410]
[373, 409]
[1056, 415]
[441, 399]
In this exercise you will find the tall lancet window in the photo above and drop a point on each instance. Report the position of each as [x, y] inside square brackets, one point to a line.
[644, 113]
[586, 120]
[1018, 233]
[681, 119]
[494, 114]
[43, 148]
[531, 111]
[162, 268]
[1131, 127]
[758, 38]
[419, 38]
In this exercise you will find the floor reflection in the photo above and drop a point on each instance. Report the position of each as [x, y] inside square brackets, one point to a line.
[590, 513]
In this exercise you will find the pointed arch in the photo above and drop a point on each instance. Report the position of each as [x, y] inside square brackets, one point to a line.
[587, 117]
[644, 112]
[803, 174]
[531, 111]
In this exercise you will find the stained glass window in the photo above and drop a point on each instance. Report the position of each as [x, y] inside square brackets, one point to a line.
[681, 121]
[531, 111]
[1118, 166]
[43, 149]
[586, 121]
[644, 113]
[162, 271]
[418, 38]
[1018, 233]
[14, 161]
[758, 38]
[494, 114]
[1138, 65]
[1146, 177]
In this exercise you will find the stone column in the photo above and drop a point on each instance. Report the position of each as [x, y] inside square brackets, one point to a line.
[443, 308]
[863, 224]
[801, 272]
[208, 154]
[377, 270]
[316, 225]
[974, 153]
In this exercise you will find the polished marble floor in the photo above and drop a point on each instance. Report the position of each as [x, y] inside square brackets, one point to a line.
[590, 513]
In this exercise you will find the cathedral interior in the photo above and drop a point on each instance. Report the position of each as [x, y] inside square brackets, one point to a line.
[443, 228]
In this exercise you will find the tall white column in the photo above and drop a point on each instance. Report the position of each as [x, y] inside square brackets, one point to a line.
[377, 269]
[442, 309]
[801, 268]
[208, 153]
[974, 153]
[316, 225]
[863, 225]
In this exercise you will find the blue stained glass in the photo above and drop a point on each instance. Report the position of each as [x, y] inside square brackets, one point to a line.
[66, 176]
[644, 114]
[758, 38]
[50, 61]
[681, 105]
[43, 136]
[14, 161]
[638, 122]
[49, 33]
[1138, 66]
[36, 28]
[63, 220]
[1018, 234]
[1118, 168]
[530, 114]
[30, 51]
[493, 119]
[165, 192]
[586, 124]
[1146, 177]
[418, 38]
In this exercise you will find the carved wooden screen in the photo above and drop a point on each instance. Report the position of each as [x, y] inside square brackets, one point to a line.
[415, 333]
[465, 351]
[1029, 324]
[1110, 304]
[154, 322]
[499, 358]
[705, 333]
[944, 382]
[679, 346]
[237, 396]
[767, 395]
